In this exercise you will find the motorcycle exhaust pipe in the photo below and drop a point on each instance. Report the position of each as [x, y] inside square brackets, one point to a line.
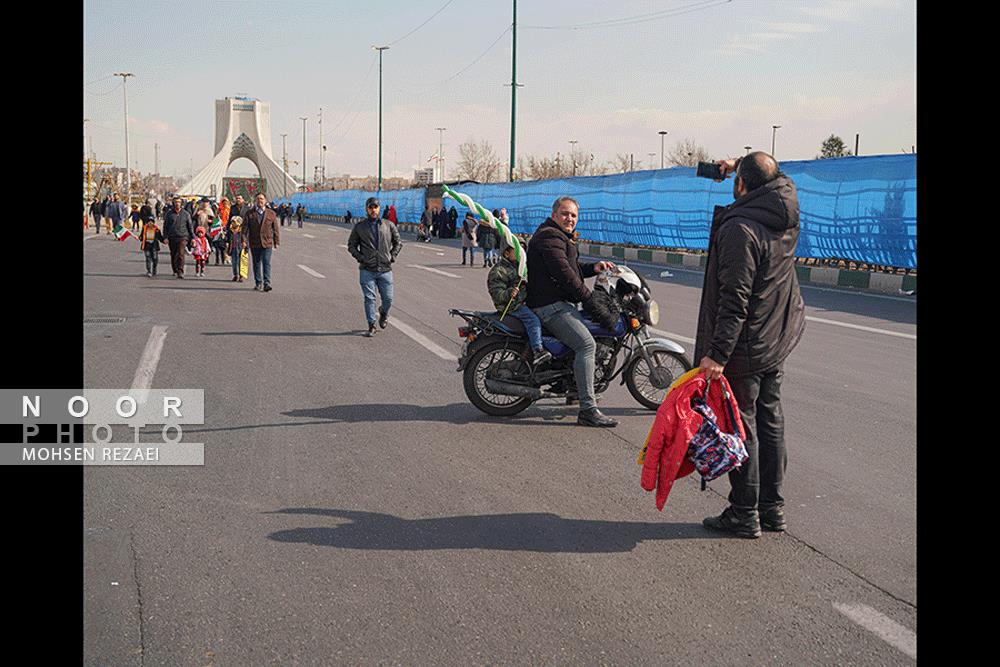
[511, 389]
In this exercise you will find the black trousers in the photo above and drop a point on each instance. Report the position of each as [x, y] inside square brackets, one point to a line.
[177, 247]
[756, 485]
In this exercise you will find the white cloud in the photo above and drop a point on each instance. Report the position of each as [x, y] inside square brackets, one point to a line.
[846, 10]
[769, 32]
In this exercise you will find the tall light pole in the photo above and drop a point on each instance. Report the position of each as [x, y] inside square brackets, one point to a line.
[513, 93]
[156, 159]
[322, 155]
[85, 121]
[651, 156]
[128, 172]
[303, 119]
[774, 131]
[284, 164]
[748, 149]
[662, 134]
[572, 153]
[441, 152]
[380, 49]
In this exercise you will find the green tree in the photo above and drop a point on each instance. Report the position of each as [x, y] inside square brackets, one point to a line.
[834, 146]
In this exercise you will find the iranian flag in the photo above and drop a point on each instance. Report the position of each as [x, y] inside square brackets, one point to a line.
[121, 233]
[215, 228]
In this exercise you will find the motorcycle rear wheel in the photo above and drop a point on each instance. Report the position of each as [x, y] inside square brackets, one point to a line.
[488, 358]
[644, 383]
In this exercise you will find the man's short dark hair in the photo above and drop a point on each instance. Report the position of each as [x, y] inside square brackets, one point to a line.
[557, 203]
[756, 169]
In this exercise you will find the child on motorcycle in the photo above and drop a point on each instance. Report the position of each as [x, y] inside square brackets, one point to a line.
[504, 284]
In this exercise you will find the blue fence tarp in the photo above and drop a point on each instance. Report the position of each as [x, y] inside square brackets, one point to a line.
[858, 208]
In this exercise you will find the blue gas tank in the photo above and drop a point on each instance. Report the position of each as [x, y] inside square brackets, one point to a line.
[560, 349]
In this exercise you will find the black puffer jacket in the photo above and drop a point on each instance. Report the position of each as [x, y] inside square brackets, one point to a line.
[752, 314]
[554, 269]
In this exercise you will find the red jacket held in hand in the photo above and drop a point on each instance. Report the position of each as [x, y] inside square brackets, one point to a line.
[675, 424]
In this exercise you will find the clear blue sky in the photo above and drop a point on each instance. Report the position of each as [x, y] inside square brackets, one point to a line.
[719, 73]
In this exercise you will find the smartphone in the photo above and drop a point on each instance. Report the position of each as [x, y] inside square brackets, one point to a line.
[709, 170]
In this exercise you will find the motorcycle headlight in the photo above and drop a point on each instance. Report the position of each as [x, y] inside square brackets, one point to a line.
[653, 313]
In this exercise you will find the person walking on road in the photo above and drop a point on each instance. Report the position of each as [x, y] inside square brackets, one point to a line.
[159, 209]
[150, 239]
[751, 317]
[95, 213]
[115, 213]
[555, 286]
[469, 242]
[263, 235]
[375, 244]
[301, 214]
[179, 232]
[236, 240]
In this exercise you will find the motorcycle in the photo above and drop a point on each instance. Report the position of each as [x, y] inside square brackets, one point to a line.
[500, 380]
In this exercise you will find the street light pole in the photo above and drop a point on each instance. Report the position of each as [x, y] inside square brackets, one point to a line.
[748, 149]
[572, 153]
[322, 155]
[284, 165]
[380, 49]
[440, 159]
[774, 131]
[128, 172]
[662, 134]
[303, 119]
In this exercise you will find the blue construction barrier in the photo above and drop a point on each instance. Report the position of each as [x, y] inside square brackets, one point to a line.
[858, 208]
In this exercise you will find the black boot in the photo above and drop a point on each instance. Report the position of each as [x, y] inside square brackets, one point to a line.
[736, 523]
[593, 417]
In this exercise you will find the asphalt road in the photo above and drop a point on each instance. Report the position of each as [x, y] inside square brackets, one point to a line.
[355, 508]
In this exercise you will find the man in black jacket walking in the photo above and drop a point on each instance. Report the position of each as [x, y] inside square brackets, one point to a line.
[375, 243]
[751, 317]
[179, 232]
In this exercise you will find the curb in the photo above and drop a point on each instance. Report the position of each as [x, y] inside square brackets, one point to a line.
[820, 276]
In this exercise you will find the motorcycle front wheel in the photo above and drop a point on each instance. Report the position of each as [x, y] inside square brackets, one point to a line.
[500, 364]
[648, 385]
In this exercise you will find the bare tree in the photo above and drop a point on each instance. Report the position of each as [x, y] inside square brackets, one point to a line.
[478, 162]
[687, 154]
[622, 163]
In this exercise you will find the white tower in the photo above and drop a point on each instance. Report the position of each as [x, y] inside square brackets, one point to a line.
[242, 130]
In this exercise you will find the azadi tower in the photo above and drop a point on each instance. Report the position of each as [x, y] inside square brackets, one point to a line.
[242, 129]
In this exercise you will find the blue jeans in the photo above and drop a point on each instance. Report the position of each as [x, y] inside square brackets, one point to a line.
[532, 325]
[370, 280]
[261, 256]
[565, 322]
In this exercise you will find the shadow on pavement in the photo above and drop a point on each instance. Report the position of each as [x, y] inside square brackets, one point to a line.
[355, 332]
[543, 532]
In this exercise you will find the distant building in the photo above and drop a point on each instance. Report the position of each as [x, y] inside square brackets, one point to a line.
[423, 177]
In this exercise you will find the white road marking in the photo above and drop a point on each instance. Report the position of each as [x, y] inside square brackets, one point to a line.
[87, 237]
[143, 379]
[310, 271]
[423, 340]
[441, 253]
[884, 332]
[885, 628]
[308, 236]
[432, 270]
[344, 246]
[674, 336]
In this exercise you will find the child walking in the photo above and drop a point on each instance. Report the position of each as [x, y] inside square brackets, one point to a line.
[504, 284]
[150, 239]
[200, 251]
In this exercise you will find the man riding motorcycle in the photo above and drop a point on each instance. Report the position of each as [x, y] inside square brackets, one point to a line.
[555, 286]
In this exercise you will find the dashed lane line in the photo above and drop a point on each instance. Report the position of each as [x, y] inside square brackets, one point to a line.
[433, 270]
[308, 236]
[310, 271]
[423, 340]
[882, 626]
[143, 379]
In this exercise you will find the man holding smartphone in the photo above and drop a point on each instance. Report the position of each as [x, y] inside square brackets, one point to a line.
[751, 317]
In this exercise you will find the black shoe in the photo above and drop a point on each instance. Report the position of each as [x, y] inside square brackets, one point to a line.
[593, 417]
[180, 275]
[773, 520]
[383, 320]
[371, 331]
[730, 522]
[235, 278]
[267, 288]
[540, 357]
[258, 288]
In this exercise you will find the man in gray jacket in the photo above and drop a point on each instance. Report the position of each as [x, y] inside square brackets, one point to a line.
[116, 211]
[375, 243]
[179, 232]
[751, 317]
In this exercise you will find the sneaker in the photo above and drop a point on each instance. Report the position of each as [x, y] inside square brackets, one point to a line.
[149, 274]
[593, 417]
[240, 280]
[730, 522]
[267, 288]
[371, 331]
[383, 320]
[258, 288]
[540, 356]
[180, 276]
[773, 520]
